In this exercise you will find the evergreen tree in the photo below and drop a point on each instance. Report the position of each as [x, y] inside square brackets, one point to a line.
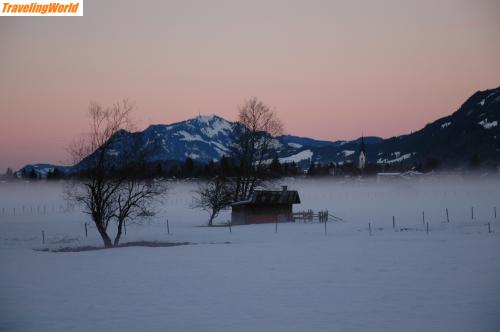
[275, 168]
[432, 163]
[225, 167]
[159, 170]
[312, 169]
[293, 169]
[209, 169]
[188, 168]
[54, 174]
[9, 173]
[474, 161]
[32, 174]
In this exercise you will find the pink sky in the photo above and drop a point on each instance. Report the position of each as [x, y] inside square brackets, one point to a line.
[331, 69]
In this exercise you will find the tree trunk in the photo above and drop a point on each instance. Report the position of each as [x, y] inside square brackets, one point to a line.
[212, 216]
[118, 233]
[105, 238]
[252, 187]
[237, 190]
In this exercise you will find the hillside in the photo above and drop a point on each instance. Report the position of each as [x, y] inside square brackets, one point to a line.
[471, 131]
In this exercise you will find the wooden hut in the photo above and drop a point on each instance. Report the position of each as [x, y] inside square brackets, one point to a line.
[265, 206]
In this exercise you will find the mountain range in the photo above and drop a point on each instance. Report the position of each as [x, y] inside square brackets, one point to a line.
[472, 130]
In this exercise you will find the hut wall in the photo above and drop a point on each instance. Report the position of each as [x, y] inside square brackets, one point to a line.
[238, 215]
[260, 214]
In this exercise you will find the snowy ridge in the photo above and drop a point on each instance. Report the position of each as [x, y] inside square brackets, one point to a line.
[472, 129]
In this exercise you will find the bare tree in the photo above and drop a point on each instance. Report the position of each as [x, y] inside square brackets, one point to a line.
[255, 131]
[108, 190]
[213, 196]
[135, 198]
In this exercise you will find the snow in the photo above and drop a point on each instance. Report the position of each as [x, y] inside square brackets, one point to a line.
[294, 145]
[275, 144]
[217, 127]
[221, 149]
[446, 124]
[42, 171]
[205, 118]
[395, 160]
[113, 152]
[189, 137]
[486, 124]
[347, 153]
[192, 155]
[482, 102]
[295, 280]
[302, 155]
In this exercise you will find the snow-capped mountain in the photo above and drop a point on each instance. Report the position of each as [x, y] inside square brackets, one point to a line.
[472, 130]
[208, 138]
[203, 138]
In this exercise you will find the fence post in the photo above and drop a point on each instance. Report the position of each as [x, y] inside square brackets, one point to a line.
[125, 226]
[168, 228]
[229, 222]
[495, 212]
[423, 217]
[489, 228]
[86, 233]
[370, 229]
[393, 222]
[276, 231]
[427, 230]
[325, 226]
[43, 237]
[472, 213]
[447, 216]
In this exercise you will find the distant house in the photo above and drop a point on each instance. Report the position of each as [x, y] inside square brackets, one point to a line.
[265, 206]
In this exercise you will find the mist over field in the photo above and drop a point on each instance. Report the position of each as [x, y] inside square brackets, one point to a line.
[254, 278]
[38, 206]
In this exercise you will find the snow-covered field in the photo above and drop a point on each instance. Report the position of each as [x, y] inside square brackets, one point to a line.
[295, 280]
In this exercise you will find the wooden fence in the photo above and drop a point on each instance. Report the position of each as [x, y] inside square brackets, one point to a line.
[310, 216]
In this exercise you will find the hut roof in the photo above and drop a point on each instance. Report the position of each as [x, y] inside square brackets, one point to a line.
[270, 197]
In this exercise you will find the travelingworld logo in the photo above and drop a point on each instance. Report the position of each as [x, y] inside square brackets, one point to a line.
[41, 8]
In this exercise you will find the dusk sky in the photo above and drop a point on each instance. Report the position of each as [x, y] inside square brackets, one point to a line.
[331, 69]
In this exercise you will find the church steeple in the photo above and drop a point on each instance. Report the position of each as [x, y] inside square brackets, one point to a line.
[362, 148]
[362, 154]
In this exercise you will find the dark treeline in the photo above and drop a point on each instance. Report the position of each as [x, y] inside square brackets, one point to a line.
[229, 168]
[226, 167]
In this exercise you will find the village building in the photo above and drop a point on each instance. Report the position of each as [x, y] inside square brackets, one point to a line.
[265, 206]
